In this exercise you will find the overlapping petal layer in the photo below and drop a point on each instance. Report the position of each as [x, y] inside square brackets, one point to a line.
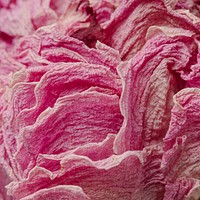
[132, 19]
[99, 99]
[149, 81]
[181, 158]
[111, 178]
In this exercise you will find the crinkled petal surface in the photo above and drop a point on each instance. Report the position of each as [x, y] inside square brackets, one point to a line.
[59, 192]
[132, 19]
[100, 179]
[180, 160]
[149, 81]
[99, 99]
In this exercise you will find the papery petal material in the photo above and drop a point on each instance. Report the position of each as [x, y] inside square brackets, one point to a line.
[180, 161]
[111, 178]
[131, 20]
[149, 81]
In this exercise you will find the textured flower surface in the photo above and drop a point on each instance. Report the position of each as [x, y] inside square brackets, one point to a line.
[99, 99]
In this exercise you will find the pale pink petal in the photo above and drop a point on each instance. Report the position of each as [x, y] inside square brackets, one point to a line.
[131, 20]
[181, 158]
[111, 178]
[149, 81]
[58, 193]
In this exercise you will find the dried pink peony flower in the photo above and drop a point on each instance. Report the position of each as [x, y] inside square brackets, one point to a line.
[99, 100]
